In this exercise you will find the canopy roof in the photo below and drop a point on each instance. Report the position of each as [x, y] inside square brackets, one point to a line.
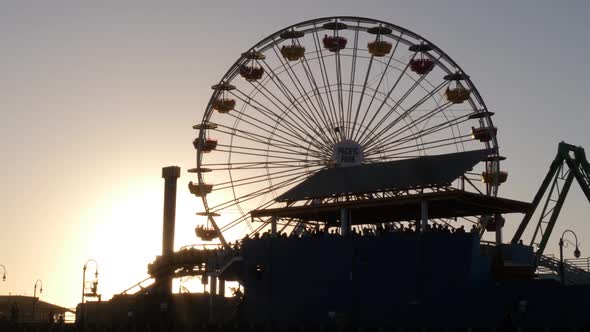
[443, 204]
[429, 171]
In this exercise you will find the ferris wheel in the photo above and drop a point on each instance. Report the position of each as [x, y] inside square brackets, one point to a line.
[331, 92]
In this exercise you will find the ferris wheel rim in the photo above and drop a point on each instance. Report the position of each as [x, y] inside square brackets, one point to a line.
[272, 40]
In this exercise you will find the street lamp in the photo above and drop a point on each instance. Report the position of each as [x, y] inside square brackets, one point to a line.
[35, 294]
[562, 243]
[40, 282]
[94, 287]
[3, 272]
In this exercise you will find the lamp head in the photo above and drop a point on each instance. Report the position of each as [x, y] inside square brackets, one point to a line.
[577, 252]
[4, 277]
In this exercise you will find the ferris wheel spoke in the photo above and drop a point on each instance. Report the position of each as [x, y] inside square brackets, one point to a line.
[374, 136]
[296, 127]
[433, 129]
[352, 80]
[305, 117]
[324, 110]
[275, 157]
[376, 90]
[422, 146]
[325, 78]
[257, 179]
[423, 133]
[415, 122]
[361, 97]
[253, 195]
[237, 148]
[269, 114]
[235, 222]
[253, 165]
[392, 110]
[391, 135]
[283, 171]
[338, 66]
[309, 110]
[271, 130]
[262, 140]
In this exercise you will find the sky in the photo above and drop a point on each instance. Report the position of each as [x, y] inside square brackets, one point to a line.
[95, 98]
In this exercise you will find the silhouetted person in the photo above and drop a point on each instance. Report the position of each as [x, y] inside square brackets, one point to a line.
[14, 312]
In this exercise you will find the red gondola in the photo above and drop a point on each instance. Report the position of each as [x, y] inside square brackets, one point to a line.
[293, 52]
[206, 146]
[224, 105]
[379, 48]
[334, 43]
[421, 66]
[200, 189]
[492, 223]
[458, 94]
[205, 233]
[489, 177]
[251, 72]
[483, 134]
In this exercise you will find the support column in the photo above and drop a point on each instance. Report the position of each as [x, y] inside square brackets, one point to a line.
[273, 226]
[212, 293]
[344, 222]
[221, 287]
[213, 285]
[423, 215]
[499, 225]
[170, 175]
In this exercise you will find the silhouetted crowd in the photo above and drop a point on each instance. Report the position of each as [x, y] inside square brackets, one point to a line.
[379, 230]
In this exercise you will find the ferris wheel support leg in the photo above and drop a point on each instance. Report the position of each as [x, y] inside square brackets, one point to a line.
[273, 226]
[221, 291]
[344, 222]
[423, 215]
[500, 257]
[499, 235]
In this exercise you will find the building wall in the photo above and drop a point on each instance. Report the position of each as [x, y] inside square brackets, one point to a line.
[401, 279]
[359, 279]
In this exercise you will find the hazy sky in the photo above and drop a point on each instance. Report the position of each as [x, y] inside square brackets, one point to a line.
[96, 98]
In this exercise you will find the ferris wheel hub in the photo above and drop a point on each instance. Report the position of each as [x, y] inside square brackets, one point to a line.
[348, 153]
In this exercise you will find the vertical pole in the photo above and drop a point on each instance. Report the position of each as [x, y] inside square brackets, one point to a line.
[499, 225]
[213, 285]
[273, 226]
[83, 309]
[83, 281]
[423, 215]
[221, 287]
[170, 175]
[561, 267]
[344, 226]
[212, 292]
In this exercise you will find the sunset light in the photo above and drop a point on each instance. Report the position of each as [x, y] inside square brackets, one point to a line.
[310, 165]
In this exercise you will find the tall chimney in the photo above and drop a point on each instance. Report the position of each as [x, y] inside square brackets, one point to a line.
[170, 175]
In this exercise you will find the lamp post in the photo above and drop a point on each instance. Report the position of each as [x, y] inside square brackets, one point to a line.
[3, 272]
[35, 294]
[94, 289]
[562, 243]
[95, 283]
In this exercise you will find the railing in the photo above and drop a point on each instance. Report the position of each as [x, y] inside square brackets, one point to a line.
[139, 285]
[573, 274]
[580, 263]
